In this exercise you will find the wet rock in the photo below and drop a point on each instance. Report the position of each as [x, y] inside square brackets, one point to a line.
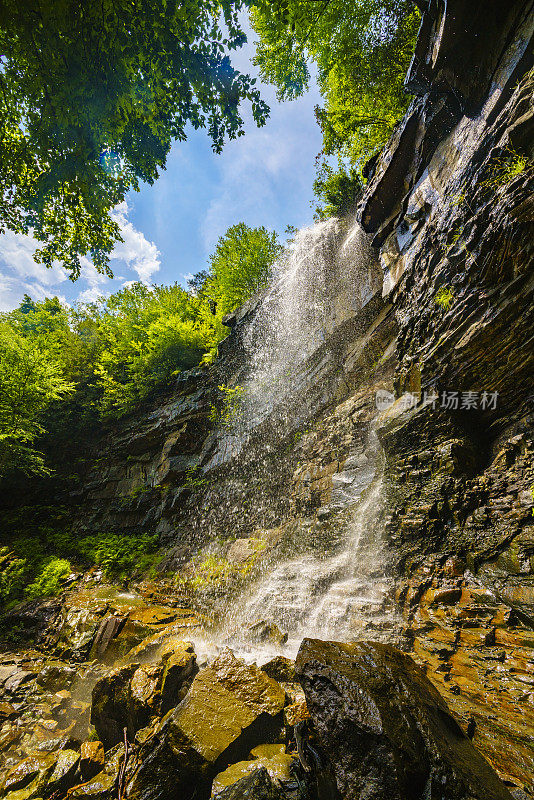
[447, 595]
[31, 774]
[179, 668]
[230, 707]
[296, 712]
[273, 758]
[64, 772]
[152, 647]
[257, 785]
[249, 683]
[385, 729]
[56, 675]
[262, 632]
[144, 697]
[109, 629]
[109, 709]
[131, 696]
[7, 711]
[280, 668]
[34, 618]
[92, 759]
[17, 679]
[101, 787]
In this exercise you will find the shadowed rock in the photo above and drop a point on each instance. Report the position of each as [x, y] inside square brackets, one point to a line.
[257, 786]
[385, 729]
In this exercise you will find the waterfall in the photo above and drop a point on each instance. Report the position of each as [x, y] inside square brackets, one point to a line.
[341, 595]
[325, 275]
[323, 279]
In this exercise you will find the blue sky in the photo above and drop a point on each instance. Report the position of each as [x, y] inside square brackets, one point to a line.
[170, 228]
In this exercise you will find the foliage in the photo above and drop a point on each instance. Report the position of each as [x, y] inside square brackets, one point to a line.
[145, 336]
[336, 190]
[361, 50]
[31, 378]
[231, 408]
[240, 266]
[40, 548]
[62, 367]
[193, 478]
[215, 573]
[92, 96]
[505, 168]
[12, 574]
[444, 297]
[50, 579]
[119, 554]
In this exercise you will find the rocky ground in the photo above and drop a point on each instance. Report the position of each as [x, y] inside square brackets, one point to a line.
[116, 701]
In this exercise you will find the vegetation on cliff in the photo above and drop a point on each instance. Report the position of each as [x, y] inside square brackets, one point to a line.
[106, 356]
[40, 551]
[361, 52]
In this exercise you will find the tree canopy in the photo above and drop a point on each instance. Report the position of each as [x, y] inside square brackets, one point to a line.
[240, 266]
[31, 378]
[92, 96]
[361, 49]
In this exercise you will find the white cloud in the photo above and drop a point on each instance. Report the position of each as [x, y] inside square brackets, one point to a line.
[21, 274]
[16, 252]
[254, 170]
[140, 255]
[257, 170]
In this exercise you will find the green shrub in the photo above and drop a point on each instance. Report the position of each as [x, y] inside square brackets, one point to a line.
[12, 575]
[337, 191]
[42, 548]
[444, 297]
[50, 579]
[120, 554]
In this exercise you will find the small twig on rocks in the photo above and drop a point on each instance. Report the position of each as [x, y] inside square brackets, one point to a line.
[122, 771]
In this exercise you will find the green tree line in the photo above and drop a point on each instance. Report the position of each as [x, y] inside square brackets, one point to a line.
[105, 357]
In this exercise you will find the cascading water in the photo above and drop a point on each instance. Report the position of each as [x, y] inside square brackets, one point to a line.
[335, 596]
[323, 279]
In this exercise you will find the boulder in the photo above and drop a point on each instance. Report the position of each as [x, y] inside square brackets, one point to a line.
[144, 697]
[230, 707]
[257, 785]
[64, 772]
[31, 774]
[271, 757]
[249, 683]
[179, 668]
[262, 632]
[109, 710]
[91, 759]
[280, 668]
[384, 728]
[131, 696]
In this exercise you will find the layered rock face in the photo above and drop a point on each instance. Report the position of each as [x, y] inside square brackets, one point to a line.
[450, 208]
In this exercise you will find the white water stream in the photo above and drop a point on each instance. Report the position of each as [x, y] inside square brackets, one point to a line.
[324, 278]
